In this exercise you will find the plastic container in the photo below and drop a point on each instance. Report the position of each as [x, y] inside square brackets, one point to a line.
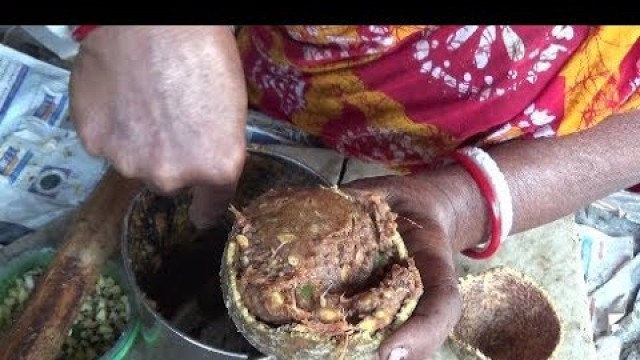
[41, 258]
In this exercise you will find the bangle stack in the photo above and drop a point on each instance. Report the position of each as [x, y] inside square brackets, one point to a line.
[495, 190]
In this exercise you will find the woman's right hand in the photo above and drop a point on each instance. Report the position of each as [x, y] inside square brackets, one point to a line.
[167, 105]
[427, 223]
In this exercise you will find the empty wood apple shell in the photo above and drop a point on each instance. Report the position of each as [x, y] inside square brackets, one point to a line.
[506, 316]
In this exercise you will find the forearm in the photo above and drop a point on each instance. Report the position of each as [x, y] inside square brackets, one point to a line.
[548, 178]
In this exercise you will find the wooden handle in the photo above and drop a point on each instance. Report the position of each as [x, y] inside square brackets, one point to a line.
[41, 329]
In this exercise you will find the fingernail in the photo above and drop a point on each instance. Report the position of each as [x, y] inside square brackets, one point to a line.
[398, 354]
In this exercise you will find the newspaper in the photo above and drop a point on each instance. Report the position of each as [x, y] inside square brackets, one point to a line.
[44, 170]
[610, 238]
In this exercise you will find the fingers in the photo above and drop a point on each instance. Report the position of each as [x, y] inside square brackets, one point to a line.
[383, 185]
[427, 329]
[209, 203]
[439, 308]
[88, 109]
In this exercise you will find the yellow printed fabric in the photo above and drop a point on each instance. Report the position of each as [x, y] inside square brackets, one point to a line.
[408, 95]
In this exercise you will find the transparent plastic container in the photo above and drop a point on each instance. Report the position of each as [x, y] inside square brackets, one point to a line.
[41, 258]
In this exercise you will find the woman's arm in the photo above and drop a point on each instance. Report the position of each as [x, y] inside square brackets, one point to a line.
[548, 179]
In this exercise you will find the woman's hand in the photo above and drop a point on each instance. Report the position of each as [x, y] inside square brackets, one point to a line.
[442, 212]
[425, 219]
[167, 105]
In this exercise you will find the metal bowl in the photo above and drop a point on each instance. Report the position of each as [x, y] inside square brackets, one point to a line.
[174, 269]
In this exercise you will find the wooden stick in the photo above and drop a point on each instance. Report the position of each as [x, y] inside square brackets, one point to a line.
[41, 329]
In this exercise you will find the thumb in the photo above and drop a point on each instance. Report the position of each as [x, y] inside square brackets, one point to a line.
[438, 310]
[209, 202]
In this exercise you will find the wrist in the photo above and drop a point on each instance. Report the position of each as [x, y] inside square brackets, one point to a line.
[458, 205]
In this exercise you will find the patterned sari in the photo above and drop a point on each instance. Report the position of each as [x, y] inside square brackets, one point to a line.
[407, 95]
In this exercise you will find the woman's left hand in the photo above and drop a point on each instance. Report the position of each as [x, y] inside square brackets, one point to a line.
[424, 220]
[442, 212]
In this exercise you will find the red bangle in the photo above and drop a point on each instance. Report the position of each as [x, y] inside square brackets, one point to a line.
[490, 196]
[81, 31]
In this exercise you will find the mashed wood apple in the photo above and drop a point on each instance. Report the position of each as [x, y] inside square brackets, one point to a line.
[314, 268]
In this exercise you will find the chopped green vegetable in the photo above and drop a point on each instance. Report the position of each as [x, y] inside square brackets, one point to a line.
[306, 292]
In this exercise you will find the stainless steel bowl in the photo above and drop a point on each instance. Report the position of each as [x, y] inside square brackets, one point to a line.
[174, 269]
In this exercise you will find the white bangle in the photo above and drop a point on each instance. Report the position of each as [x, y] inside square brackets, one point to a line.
[498, 183]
